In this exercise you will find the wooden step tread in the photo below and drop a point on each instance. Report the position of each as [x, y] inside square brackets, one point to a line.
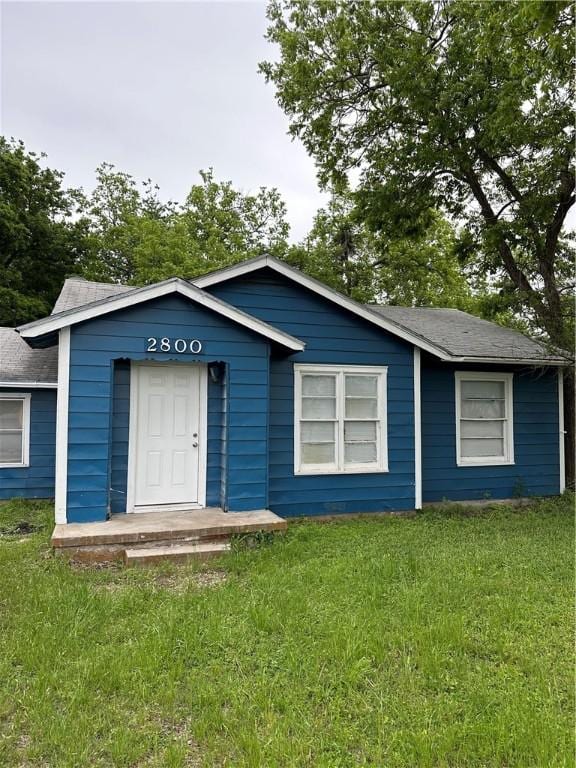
[175, 552]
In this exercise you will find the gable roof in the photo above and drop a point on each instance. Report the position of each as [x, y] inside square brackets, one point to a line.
[20, 364]
[465, 336]
[448, 336]
[132, 296]
[77, 292]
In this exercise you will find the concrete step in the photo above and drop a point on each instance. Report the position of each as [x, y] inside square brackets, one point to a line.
[177, 553]
[151, 527]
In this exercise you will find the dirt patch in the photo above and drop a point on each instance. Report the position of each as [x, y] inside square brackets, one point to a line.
[21, 528]
[179, 582]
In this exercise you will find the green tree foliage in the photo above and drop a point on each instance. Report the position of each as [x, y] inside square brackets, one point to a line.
[418, 270]
[136, 238]
[120, 215]
[461, 106]
[40, 241]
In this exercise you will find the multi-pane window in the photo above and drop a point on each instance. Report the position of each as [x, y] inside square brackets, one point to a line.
[340, 419]
[484, 429]
[14, 429]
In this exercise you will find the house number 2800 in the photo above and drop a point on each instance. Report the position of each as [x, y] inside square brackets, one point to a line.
[177, 345]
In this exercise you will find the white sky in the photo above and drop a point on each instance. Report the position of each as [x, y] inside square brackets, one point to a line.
[159, 89]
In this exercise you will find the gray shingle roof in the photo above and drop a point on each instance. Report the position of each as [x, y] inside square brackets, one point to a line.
[76, 292]
[457, 333]
[463, 335]
[20, 363]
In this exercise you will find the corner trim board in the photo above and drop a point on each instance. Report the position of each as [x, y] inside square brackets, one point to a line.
[561, 448]
[62, 399]
[417, 432]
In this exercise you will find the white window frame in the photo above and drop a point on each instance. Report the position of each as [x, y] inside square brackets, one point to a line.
[508, 431]
[24, 398]
[339, 468]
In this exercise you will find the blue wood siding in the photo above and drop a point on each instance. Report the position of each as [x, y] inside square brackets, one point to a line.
[37, 480]
[332, 336]
[97, 437]
[120, 433]
[536, 470]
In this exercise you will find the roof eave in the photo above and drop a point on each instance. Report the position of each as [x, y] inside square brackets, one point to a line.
[533, 361]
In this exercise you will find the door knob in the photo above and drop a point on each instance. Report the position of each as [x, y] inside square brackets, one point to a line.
[194, 445]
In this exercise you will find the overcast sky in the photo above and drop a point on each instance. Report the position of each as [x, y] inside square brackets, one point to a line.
[159, 89]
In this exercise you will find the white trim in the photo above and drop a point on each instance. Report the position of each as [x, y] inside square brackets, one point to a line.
[200, 503]
[339, 467]
[62, 426]
[30, 384]
[561, 447]
[139, 295]
[245, 267]
[540, 362]
[24, 398]
[508, 433]
[417, 432]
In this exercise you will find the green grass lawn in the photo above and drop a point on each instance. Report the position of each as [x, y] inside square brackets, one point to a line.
[440, 640]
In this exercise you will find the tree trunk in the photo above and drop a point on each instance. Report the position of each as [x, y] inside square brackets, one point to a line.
[569, 425]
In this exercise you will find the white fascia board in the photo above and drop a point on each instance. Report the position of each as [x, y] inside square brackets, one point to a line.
[245, 268]
[509, 361]
[30, 384]
[139, 295]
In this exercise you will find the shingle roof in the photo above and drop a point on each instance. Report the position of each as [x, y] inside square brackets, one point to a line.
[456, 333]
[19, 363]
[464, 335]
[76, 292]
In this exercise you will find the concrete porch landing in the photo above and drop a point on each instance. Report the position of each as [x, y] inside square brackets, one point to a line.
[171, 534]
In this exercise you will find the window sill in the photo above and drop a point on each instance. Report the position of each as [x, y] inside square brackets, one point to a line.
[351, 471]
[483, 463]
[13, 466]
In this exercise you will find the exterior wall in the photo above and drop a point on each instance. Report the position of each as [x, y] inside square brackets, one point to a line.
[332, 336]
[97, 430]
[37, 480]
[536, 470]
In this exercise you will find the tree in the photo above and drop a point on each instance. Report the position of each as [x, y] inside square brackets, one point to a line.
[120, 215]
[40, 242]
[419, 270]
[462, 106]
[136, 238]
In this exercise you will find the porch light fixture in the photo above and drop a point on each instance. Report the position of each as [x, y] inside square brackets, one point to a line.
[216, 371]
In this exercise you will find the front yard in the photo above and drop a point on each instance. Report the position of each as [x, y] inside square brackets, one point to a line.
[440, 640]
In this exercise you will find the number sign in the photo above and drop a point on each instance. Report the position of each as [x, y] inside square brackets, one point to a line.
[174, 345]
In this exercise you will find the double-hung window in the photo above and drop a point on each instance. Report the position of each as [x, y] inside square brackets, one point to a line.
[484, 427]
[340, 419]
[14, 429]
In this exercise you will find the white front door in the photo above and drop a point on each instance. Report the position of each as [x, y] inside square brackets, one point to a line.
[168, 446]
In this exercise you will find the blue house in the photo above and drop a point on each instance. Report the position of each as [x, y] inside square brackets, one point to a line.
[259, 388]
